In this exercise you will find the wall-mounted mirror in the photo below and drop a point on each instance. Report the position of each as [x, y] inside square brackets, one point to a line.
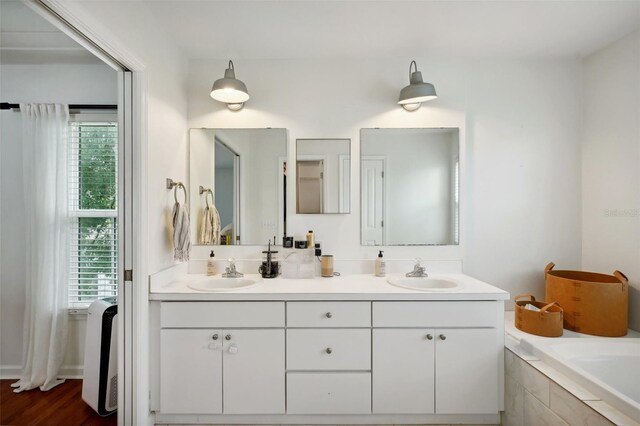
[238, 175]
[409, 186]
[323, 170]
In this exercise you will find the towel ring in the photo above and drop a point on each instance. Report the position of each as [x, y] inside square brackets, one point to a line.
[175, 185]
[207, 192]
[175, 192]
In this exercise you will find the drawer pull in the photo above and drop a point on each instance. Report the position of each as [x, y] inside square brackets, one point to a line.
[328, 315]
[214, 337]
[429, 337]
[329, 350]
[443, 337]
[227, 337]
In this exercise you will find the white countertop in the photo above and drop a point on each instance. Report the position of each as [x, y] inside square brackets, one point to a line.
[348, 287]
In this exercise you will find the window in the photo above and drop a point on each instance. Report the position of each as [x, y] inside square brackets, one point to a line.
[93, 194]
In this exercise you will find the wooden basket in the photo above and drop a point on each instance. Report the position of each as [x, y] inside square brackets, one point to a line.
[547, 322]
[594, 303]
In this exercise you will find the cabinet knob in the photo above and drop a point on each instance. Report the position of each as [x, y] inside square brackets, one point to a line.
[214, 337]
[443, 337]
[329, 350]
[227, 337]
[429, 337]
[328, 315]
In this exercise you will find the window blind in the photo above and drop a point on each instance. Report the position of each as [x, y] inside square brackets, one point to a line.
[93, 195]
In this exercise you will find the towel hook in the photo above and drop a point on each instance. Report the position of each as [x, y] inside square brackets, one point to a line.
[171, 184]
[207, 192]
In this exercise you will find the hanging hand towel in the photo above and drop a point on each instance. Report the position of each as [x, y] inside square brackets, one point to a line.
[181, 234]
[210, 226]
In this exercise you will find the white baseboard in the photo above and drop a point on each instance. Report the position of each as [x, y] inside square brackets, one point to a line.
[12, 372]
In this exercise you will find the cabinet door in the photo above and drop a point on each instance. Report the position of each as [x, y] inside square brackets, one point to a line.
[467, 371]
[403, 365]
[190, 371]
[253, 370]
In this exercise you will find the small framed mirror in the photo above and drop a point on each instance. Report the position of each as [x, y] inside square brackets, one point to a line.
[409, 186]
[323, 176]
[237, 185]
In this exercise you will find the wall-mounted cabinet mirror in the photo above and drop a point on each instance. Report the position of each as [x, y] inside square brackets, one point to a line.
[238, 175]
[409, 186]
[323, 170]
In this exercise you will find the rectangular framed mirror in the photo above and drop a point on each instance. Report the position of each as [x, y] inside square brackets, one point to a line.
[410, 180]
[323, 176]
[238, 175]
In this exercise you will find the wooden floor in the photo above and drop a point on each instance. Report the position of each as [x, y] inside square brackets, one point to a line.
[62, 405]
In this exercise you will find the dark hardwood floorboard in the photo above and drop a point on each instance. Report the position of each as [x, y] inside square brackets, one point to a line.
[62, 405]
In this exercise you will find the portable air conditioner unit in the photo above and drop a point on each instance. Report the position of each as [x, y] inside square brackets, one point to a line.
[100, 384]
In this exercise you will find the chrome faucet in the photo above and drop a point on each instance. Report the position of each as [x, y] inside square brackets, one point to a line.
[230, 271]
[418, 271]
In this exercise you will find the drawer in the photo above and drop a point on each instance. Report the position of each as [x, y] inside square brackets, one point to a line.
[328, 314]
[221, 314]
[328, 349]
[436, 314]
[328, 393]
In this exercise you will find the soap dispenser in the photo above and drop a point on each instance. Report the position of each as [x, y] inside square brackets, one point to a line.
[381, 269]
[211, 264]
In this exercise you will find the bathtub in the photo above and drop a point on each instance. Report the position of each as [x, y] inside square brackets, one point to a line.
[609, 368]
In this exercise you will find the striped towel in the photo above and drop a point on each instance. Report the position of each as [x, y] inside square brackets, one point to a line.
[181, 233]
[210, 226]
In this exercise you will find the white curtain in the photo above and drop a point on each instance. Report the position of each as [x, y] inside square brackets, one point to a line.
[45, 163]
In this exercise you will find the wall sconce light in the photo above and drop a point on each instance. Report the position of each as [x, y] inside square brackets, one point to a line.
[417, 91]
[230, 90]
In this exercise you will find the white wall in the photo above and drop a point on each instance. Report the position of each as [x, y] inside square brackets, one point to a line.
[611, 165]
[90, 84]
[520, 149]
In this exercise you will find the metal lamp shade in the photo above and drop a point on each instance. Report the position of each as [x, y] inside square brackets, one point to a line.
[229, 89]
[418, 91]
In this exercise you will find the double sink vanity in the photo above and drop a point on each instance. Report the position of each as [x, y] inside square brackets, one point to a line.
[349, 349]
[405, 348]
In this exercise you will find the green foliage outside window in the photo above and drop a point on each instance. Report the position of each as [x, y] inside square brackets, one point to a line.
[97, 247]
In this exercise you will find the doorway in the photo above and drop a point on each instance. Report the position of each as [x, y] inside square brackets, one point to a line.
[118, 141]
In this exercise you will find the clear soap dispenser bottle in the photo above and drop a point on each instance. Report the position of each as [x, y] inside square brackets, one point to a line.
[211, 264]
[381, 268]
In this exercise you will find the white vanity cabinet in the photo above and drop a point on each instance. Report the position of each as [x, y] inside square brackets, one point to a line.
[222, 370]
[451, 368]
[364, 360]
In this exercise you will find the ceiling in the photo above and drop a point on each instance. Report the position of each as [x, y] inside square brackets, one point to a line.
[27, 38]
[347, 29]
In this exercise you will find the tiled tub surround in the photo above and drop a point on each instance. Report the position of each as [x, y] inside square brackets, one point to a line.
[537, 394]
[351, 349]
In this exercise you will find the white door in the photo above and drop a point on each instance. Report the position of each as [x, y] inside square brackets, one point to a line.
[403, 371]
[467, 371]
[372, 202]
[253, 371]
[191, 371]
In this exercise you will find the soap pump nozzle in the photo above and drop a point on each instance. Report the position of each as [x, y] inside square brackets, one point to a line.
[380, 254]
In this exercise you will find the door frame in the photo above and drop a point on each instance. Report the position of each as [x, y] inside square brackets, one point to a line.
[133, 345]
[325, 187]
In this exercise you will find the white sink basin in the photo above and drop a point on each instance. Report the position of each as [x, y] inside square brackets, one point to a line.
[425, 284]
[219, 283]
